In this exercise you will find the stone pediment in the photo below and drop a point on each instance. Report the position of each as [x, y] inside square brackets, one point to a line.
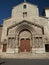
[24, 22]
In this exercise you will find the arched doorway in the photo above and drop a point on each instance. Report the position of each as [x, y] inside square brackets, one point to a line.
[25, 40]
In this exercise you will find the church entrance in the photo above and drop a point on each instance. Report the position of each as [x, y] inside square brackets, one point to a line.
[25, 40]
[25, 45]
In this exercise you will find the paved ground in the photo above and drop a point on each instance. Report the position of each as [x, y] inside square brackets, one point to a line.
[25, 56]
[24, 62]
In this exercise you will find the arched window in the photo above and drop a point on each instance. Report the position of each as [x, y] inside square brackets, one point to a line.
[24, 14]
[24, 6]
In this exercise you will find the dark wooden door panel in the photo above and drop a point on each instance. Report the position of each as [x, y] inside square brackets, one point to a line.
[22, 45]
[27, 42]
[4, 47]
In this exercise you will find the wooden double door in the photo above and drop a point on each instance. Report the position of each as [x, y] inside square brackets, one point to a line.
[25, 45]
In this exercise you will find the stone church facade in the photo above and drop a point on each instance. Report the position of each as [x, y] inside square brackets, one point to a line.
[25, 31]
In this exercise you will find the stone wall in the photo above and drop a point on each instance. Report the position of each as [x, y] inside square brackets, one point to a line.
[0, 33]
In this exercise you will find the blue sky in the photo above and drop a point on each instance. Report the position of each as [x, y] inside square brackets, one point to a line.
[6, 6]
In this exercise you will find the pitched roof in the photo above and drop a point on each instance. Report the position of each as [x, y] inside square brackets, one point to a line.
[26, 3]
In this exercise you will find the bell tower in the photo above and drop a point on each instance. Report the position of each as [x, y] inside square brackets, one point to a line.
[24, 0]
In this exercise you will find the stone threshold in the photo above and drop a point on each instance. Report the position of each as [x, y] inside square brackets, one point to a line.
[25, 56]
